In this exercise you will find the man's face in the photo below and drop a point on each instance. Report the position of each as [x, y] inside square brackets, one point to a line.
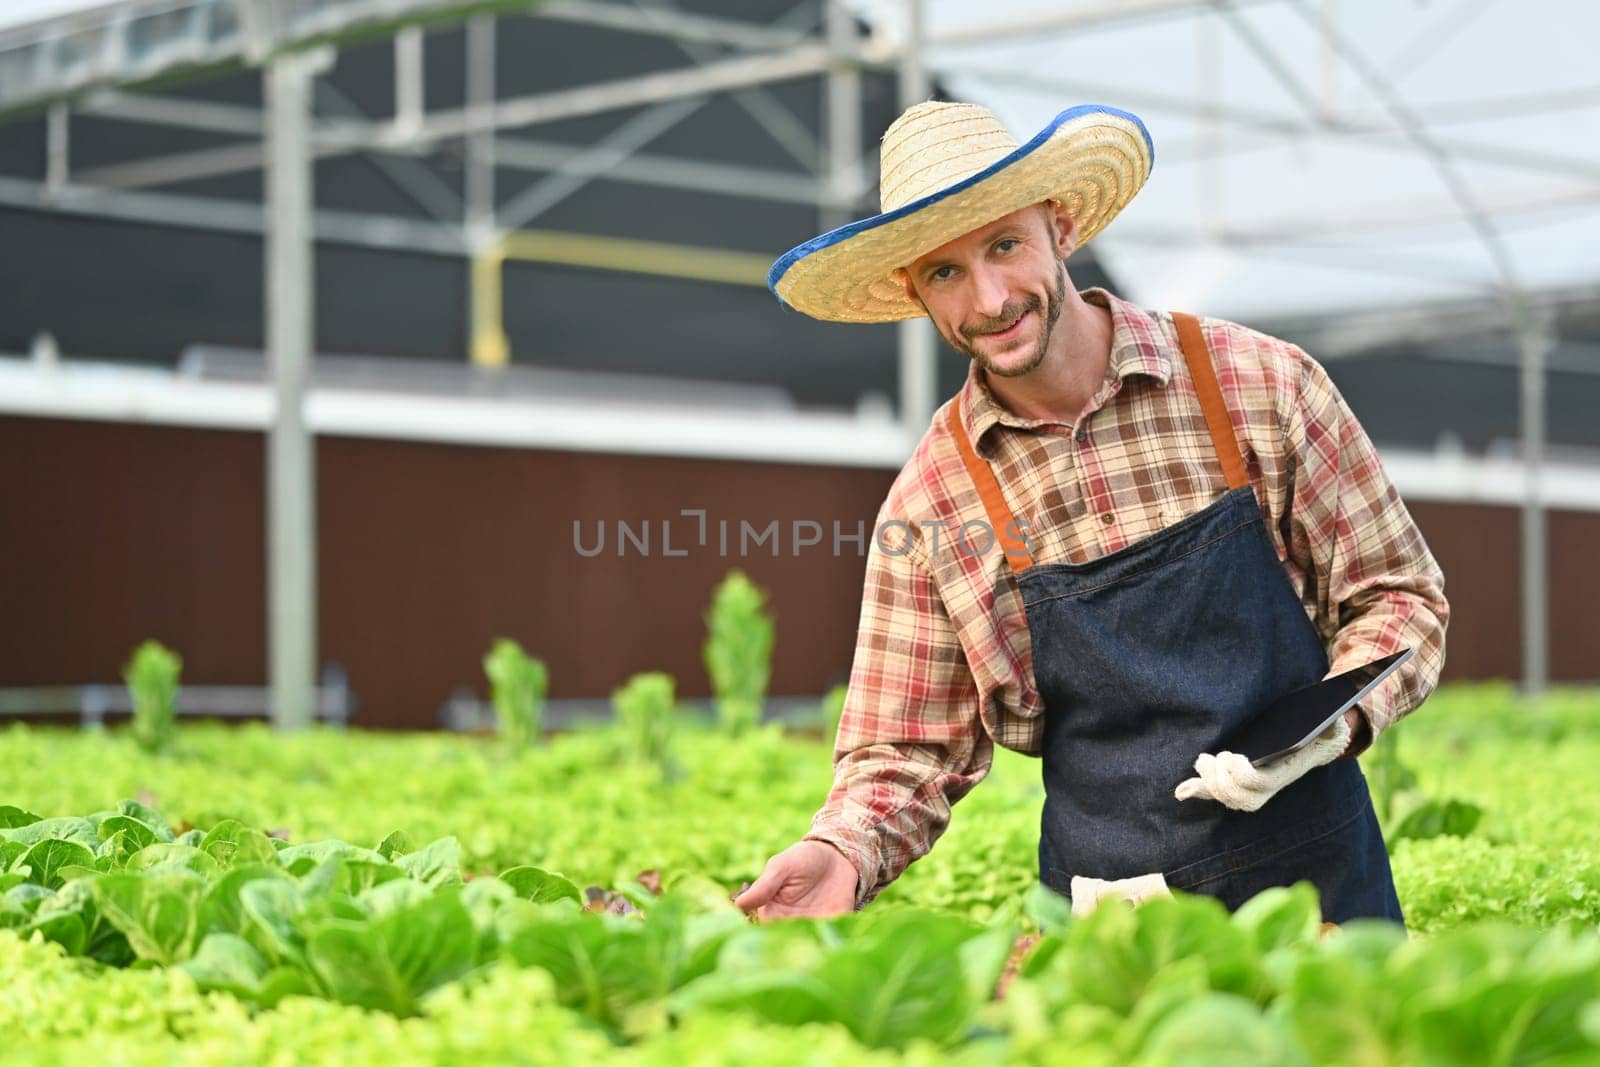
[996, 293]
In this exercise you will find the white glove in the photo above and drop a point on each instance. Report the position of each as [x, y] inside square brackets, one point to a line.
[1087, 893]
[1232, 780]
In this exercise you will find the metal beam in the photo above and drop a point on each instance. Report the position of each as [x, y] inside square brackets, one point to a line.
[333, 138]
[775, 120]
[1534, 343]
[1269, 58]
[58, 137]
[224, 216]
[1078, 17]
[598, 98]
[675, 25]
[481, 100]
[409, 81]
[409, 174]
[291, 338]
[179, 167]
[1423, 322]
[175, 111]
[841, 99]
[1395, 217]
[479, 232]
[1433, 37]
[1276, 126]
[668, 172]
[606, 153]
[671, 172]
[918, 352]
[122, 43]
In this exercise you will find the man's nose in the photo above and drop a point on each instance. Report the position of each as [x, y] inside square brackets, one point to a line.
[988, 293]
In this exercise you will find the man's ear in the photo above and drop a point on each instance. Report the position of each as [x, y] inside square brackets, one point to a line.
[1066, 230]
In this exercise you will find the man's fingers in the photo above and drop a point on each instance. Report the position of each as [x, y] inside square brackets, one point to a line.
[763, 889]
[1240, 771]
[1190, 788]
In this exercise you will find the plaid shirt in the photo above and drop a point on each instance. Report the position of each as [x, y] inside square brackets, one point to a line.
[943, 665]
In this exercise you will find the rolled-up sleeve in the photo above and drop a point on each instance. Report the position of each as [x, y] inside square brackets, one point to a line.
[910, 742]
[1378, 588]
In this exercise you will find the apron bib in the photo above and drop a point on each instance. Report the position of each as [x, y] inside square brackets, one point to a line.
[1152, 654]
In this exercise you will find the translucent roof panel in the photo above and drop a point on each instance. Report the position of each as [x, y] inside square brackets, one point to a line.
[1313, 156]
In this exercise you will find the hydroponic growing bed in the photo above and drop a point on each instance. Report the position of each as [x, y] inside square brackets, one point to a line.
[252, 897]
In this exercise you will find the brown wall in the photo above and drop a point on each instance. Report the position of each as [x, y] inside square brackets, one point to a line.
[426, 552]
[112, 533]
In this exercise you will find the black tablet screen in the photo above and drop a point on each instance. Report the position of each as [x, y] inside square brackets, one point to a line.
[1294, 719]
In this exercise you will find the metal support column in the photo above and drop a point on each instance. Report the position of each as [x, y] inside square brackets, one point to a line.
[291, 468]
[918, 380]
[409, 104]
[485, 349]
[1534, 341]
[57, 143]
[842, 108]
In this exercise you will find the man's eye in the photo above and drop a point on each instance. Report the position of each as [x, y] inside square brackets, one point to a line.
[942, 274]
[1005, 244]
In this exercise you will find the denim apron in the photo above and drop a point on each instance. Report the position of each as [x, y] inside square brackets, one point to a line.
[1152, 654]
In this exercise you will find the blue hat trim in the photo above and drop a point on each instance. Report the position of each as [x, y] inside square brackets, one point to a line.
[849, 230]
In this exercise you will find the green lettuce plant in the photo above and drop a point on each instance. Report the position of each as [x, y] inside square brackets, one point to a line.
[518, 683]
[738, 651]
[152, 679]
[644, 707]
[1404, 809]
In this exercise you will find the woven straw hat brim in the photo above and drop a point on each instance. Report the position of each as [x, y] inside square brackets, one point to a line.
[1092, 158]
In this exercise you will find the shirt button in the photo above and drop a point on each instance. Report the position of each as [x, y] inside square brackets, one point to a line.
[1083, 435]
[1108, 518]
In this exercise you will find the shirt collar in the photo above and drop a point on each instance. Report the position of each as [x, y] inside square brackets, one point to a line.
[1138, 346]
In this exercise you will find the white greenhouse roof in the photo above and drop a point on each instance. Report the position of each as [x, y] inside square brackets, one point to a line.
[1288, 178]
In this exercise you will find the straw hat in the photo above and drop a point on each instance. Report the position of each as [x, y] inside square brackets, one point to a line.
[947, 169]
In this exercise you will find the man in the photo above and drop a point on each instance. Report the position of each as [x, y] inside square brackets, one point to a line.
[1190, 523]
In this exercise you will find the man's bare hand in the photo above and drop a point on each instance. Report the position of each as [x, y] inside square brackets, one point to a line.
[809, 879]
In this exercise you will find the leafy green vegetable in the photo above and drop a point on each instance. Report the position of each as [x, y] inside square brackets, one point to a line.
[518, 684]
[157, 911]
[738, 651]
[152, 678]
[390, 962]
[539, 886]
[438, 863]
[11, 817]
[46, 860]
[133, 833]
[495, 967]
[645, 707]
[230, 843]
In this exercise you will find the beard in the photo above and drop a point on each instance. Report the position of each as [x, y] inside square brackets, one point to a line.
[966, 340]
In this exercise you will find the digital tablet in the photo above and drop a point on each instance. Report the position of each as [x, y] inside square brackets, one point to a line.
[1294, 720]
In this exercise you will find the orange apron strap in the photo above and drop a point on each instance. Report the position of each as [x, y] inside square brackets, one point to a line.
[994, 502]
[1204, 374]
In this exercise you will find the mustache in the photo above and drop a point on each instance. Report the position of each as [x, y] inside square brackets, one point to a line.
[1006, 319]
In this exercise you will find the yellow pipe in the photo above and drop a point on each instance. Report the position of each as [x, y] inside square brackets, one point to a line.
[490, 347]
[638, 257]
